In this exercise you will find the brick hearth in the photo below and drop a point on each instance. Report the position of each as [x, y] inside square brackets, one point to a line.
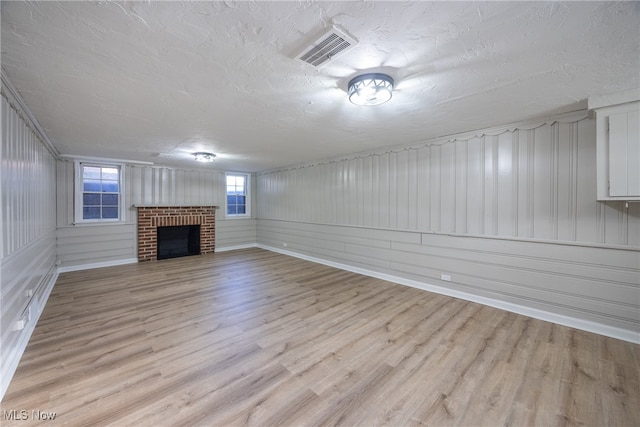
[152, 217]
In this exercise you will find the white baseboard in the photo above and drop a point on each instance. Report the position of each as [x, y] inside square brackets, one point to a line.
[572, 322]
[236, 247]
[13, 359]
[97, 265]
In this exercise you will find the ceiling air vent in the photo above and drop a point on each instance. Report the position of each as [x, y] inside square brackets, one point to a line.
[330, 44]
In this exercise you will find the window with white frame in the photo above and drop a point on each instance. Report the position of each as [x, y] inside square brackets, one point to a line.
[238, 198]
[98, 192]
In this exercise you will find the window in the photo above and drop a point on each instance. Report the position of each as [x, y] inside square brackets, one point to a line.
[98, 196]
[238, 203]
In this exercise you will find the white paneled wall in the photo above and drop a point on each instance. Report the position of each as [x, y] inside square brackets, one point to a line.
[28, 195]
[27, 247]
[148, 185]
[235, 233]
[92, 245]
[534, 183]
[510, 214]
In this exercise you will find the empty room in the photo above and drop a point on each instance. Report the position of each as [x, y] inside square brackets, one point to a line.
[310, 213]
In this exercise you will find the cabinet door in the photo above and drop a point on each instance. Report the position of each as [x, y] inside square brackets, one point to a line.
[624, 154]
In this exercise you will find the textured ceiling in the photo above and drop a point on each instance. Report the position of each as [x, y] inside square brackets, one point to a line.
[156, 81]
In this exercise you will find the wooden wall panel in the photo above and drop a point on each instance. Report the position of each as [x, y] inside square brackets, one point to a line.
[93, 244]
[534, 183]
[235, 233]
[511, 214]
[28, 195]
[27, 245]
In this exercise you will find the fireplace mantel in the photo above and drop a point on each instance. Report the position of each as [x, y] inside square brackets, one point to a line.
[150, 217]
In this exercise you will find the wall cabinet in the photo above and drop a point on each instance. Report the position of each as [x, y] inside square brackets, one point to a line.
[618, 151]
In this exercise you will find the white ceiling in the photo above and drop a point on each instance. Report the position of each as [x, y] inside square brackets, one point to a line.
[156, 81]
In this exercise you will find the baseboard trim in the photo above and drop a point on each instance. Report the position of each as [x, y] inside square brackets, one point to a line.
[80, 267]
[236, 247]
[14, 359]
[572, 322]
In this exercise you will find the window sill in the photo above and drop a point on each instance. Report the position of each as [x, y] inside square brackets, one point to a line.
[97, 223]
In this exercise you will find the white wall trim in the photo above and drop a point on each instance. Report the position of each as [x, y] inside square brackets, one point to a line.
[80, 267]
[236, 247]
[609, 99]
[248, 196]
[13, 359]
[572, 322]
[104, 160]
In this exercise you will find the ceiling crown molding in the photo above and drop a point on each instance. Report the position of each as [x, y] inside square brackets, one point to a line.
[606, 100]
[104, 160]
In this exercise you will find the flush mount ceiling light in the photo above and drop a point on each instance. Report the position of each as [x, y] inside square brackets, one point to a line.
[204, 157]
[370, 89]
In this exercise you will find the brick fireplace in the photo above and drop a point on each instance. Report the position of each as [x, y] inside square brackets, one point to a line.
[152, 217]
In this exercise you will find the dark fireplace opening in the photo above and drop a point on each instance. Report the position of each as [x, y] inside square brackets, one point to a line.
[177, 241]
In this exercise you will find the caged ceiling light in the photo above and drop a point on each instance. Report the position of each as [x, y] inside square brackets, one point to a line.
[204, 157]
[370, 89]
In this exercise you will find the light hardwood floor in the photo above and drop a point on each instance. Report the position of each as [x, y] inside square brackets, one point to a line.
[253, 337]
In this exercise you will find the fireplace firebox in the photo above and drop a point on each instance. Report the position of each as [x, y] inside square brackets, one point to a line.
[178, 241]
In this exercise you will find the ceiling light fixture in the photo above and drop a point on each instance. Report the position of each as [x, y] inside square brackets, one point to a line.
[204, 157]
[370, 89]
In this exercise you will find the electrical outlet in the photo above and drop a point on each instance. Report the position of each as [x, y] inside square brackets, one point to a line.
[18, 326]
[29, 293]
[445, 277]
[284, 244]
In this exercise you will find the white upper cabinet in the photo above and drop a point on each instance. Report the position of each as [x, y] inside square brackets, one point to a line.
[618, 145]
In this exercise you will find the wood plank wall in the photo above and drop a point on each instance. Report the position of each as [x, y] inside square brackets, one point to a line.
[91, 244]
[536, 183]
[27, 249]
[510, 214]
